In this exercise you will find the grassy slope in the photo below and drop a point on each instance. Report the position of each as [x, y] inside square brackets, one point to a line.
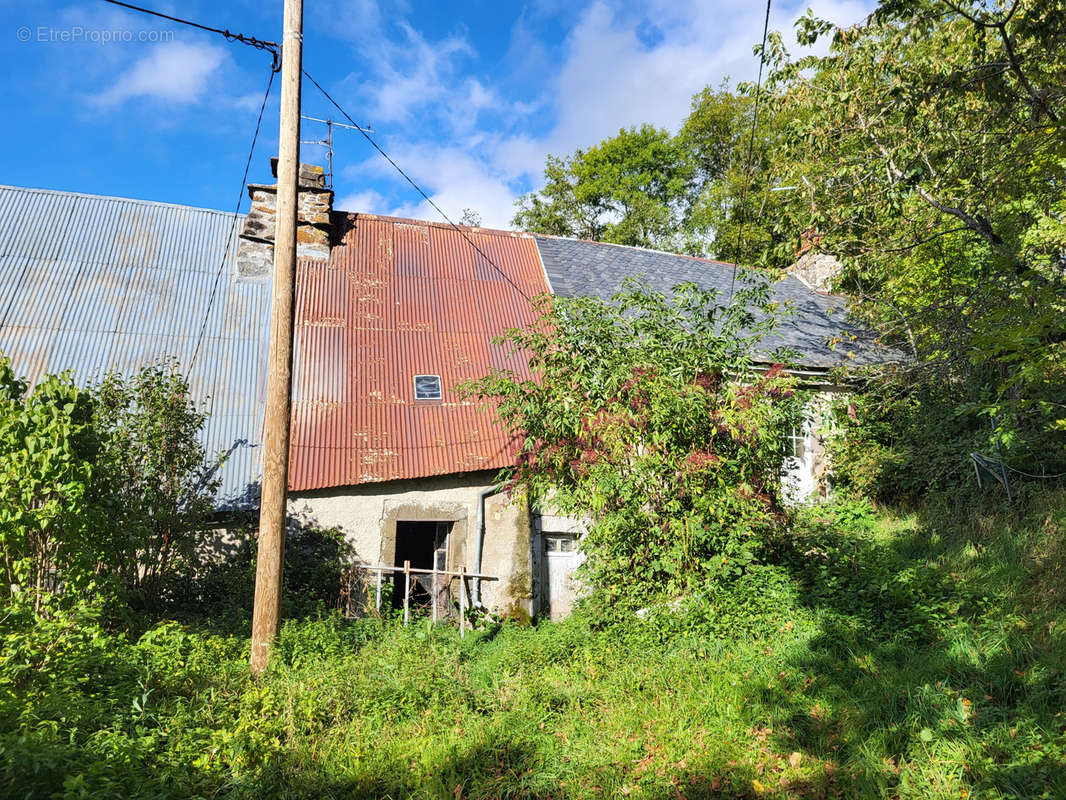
[917, 657]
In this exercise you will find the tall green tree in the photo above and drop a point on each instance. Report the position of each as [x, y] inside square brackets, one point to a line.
[735, 212]
[629, 189]
[704, 191]
[935, 165]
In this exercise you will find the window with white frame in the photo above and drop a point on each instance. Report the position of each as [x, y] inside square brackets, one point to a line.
[796, 446]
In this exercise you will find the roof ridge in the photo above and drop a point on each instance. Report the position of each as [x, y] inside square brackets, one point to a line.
[785, 274]
[704, 259]
[90, 195]
[445, 225]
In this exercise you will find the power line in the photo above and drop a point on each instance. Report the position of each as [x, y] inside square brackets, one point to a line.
[751, 147]
[260, 44]
[417, 188]
[233, 225]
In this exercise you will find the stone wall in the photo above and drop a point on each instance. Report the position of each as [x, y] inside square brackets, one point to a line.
[367, 515]
[255, 252]
[817, 270]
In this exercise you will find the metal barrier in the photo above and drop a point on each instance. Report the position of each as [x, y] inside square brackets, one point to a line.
[436, 574]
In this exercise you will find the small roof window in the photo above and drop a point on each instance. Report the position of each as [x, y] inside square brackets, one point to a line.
[427, 387]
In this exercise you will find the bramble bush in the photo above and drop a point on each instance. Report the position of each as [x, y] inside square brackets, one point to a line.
[647, 414]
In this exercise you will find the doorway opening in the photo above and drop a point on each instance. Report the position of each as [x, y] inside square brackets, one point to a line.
[424, 544]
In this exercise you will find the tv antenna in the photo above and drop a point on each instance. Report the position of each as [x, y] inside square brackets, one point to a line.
[328, 141]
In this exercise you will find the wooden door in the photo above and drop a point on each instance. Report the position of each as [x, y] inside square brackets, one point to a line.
[561, 558]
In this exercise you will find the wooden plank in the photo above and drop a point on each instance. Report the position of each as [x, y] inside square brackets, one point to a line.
[417, 571]
[462, 602]
[406, 591]
[433, 594]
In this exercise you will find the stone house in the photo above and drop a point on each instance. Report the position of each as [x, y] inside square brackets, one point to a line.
[391, 316]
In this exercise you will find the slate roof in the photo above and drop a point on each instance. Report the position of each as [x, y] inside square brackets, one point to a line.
[577, 268]
[91, 283]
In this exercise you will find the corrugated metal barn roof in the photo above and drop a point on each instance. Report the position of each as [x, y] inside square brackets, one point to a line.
[400, 298]
[90, 283]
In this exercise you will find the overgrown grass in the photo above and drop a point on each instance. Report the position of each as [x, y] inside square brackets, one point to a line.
[918, 656]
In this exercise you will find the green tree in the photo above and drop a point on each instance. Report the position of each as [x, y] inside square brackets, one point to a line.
[734, 213]
[935, 165]
[647, 414]
[629, 189]
[705, 191]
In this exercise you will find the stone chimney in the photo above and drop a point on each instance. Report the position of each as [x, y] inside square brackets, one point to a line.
[813, 267]
[255, 253]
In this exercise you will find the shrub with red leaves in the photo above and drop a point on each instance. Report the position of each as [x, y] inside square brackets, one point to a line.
[648, 416]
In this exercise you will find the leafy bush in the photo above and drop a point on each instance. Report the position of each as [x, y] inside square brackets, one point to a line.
[647, 413]
[159, 483]
[752, 605]
[221, 584]
[315, 560]
[51, 505]
[896, 443]
[104, 492]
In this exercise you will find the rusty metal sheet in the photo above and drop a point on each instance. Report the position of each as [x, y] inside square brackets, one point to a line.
[400, 298]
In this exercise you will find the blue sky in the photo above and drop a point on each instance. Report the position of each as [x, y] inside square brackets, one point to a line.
[469, 97]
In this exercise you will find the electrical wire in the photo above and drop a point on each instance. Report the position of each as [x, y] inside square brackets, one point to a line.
[233, 225]
[751, 147]
[260, 44]
[417, 188]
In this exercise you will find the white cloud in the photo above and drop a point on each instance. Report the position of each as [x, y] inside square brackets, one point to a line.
[175, 72]
[408, 72]
[611, 79]
[365, 202]
[247, 102]
[465, 139]
[415, 74]
[453, 177]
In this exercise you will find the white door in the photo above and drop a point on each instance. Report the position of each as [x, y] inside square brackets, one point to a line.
[561, 558]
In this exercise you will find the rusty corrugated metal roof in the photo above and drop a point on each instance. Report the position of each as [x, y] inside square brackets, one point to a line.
[399, 298]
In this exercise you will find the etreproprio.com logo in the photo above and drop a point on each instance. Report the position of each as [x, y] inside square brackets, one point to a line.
[78, 34]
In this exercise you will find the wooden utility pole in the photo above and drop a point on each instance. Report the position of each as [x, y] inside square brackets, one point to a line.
[267, 609]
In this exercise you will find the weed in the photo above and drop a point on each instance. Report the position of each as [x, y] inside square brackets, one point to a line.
[878, 655]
